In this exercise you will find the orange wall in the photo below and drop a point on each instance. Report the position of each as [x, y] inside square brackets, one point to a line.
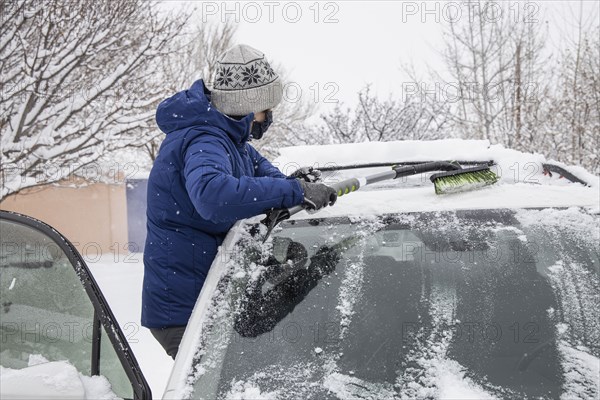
[93, 217]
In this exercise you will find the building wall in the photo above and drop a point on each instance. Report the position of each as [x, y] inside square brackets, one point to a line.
[93, 217]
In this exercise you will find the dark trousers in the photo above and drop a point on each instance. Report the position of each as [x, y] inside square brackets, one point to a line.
[169, 338]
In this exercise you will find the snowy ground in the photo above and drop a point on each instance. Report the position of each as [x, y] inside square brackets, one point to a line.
[121, 283]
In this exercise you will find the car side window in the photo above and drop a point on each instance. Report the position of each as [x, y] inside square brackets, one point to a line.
[52, 309]
[45, 310]
[111, 369]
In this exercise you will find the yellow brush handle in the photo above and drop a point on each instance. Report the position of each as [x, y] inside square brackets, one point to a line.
[345, 187]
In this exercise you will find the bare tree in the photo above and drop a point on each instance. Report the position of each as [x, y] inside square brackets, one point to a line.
[515, 92]
[198, 53]
[290, 117]
[497, 64]
[574, 118]
[78, 82]
[411, 118]
[195, 56]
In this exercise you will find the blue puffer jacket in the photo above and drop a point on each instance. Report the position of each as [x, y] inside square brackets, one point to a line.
[205, 177]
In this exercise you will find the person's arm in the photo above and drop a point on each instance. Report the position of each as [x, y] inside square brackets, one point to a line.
[218, 196]
[262, 166]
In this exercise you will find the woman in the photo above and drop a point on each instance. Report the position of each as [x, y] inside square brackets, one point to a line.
[206, 176]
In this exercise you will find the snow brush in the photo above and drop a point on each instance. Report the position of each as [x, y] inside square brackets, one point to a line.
[454, 179]
[463, 179]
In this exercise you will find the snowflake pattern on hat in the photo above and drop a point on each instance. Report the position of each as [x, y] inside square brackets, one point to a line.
[244, 82]
[236, 76]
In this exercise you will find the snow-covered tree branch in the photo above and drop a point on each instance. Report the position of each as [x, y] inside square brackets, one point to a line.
[410, 118]
[78, 82]
[195, 56]
[514, 90]
[197, 53]
[496, 65]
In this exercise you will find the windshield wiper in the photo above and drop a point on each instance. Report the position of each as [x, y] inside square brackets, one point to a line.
[285, 284]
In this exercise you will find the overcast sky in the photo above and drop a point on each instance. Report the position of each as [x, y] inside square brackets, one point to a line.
[331, 50]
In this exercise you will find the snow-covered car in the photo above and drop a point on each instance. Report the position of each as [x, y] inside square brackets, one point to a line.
[393, 292]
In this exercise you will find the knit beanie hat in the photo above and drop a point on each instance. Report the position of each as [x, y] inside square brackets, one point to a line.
[244, 82]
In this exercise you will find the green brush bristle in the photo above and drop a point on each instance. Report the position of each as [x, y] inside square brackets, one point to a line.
[464, 181]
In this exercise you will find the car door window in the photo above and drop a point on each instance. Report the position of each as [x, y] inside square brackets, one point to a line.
[111, 369]
[45, 309]
[51, 309]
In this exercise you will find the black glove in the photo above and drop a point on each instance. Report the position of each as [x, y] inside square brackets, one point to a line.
[318, 195]
[307, 174]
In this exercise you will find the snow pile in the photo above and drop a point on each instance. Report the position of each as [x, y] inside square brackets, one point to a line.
[35, 359]
[97, 388]
[241, 390]
[572, 220]
[436, 376]
[350, 293]
[453, 384]
[392, 152]
[53, 380]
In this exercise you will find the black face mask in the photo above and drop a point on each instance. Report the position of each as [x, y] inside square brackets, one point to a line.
[259, 128]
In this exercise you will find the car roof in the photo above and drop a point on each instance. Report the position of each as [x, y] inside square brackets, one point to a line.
[524, 179]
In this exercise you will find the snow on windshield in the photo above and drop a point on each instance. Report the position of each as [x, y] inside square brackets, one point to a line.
[582, 370]
[350, 292]
[351, 347]
[574, 278]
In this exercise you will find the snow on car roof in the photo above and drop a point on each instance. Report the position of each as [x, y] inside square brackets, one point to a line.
[406, 150]
[522, 181]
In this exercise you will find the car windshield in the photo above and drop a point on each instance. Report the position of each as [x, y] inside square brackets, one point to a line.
[458, 304]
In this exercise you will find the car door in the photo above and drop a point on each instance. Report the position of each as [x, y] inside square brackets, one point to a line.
[55, 320]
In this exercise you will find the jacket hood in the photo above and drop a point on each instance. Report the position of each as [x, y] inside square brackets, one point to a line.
[192, 108]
